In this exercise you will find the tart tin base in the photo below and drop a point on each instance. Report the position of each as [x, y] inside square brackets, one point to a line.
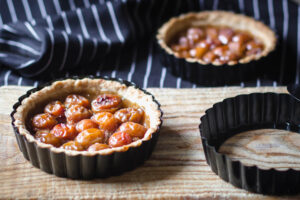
[248, 112]
[84, 166]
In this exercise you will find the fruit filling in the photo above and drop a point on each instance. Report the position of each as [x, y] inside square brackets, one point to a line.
[83, 125]
[213, 44]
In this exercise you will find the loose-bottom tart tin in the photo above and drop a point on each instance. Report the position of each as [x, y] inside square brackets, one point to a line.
[214, 74]
[248, 112]
[83, 164]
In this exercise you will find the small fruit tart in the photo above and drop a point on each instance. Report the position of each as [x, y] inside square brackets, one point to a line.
[215, 47]
[105, 126]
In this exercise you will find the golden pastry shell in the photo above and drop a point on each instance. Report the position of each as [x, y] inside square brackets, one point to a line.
[217, 18]
[88, 85]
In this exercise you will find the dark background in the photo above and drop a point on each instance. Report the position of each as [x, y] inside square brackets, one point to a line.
[41, 40]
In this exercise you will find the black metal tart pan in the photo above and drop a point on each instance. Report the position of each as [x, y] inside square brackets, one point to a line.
[247, 112]
[84, 166]
[213, 75]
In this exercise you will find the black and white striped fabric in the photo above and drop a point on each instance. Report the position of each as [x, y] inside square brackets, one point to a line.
[42, 40]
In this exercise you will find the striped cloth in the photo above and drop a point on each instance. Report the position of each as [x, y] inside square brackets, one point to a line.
[42, 40]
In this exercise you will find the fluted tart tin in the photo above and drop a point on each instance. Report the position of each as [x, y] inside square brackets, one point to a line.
[249, 112]
[84, 164]
[213, 73]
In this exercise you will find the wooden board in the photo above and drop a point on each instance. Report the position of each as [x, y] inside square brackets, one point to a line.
[176, 169]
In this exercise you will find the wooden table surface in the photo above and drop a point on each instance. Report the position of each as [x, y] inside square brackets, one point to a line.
[176, 169]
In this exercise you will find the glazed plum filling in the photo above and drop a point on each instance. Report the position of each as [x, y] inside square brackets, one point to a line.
[213, 44]
[76, 124]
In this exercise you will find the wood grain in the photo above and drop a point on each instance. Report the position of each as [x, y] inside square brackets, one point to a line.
[176, 169]
[266, 148]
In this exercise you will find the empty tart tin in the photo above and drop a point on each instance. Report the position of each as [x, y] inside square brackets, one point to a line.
[215, 74]
[248, 112]
[84, 164]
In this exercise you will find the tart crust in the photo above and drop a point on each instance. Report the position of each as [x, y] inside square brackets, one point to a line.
[89, 86]
[217, 18]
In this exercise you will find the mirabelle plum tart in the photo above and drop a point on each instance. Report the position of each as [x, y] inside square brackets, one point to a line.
[183, 42]
[34, 102]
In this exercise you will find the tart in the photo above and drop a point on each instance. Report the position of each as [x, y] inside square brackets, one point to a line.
[216, 47]
[80, 128]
